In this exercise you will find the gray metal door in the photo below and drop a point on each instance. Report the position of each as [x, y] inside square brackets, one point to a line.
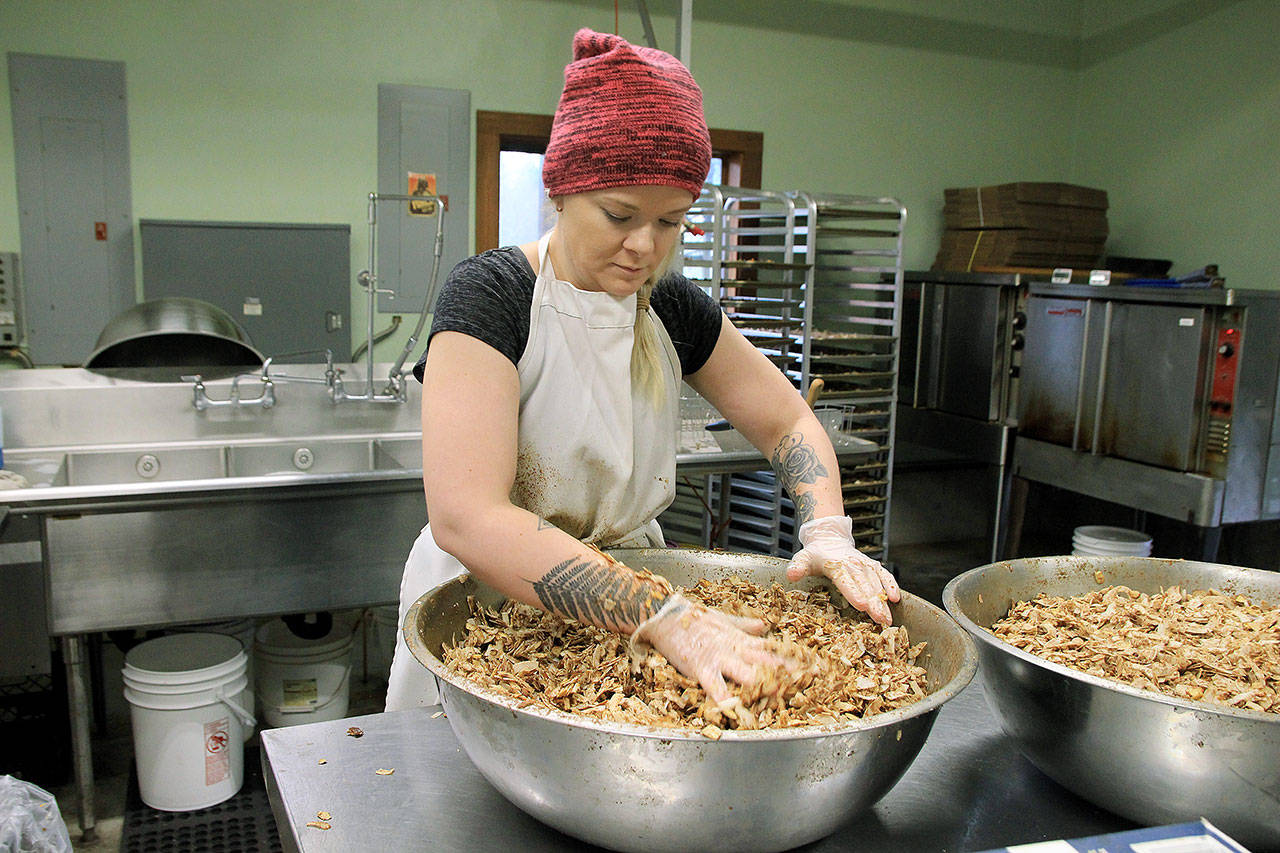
[1154, 380]
[1055, 388]
[972, 359]
[71, 151]
[424, 131]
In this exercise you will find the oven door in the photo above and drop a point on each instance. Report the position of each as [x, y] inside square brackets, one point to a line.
[1154, 396]
[1122, 379]
[958, 352]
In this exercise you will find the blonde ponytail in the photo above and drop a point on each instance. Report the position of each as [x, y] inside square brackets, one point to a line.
[647, 358]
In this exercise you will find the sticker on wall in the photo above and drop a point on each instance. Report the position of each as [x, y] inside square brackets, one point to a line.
[422, 183]
[252, 306]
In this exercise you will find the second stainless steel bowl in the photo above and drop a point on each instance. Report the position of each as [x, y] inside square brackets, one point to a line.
[1152, 758]
[173, 331]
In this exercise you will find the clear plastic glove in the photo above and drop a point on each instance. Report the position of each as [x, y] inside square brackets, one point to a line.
[829, 551]
[706, 645]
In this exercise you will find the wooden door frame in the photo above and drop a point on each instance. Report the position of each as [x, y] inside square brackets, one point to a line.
[742, 151]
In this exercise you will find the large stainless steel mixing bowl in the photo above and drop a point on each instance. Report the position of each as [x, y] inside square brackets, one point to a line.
[173, 331]
[631, 787]
[1149, 757]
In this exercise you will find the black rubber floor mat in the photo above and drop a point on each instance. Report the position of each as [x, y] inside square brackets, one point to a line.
[242, 823]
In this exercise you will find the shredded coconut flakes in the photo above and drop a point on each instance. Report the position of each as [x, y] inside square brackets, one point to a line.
[1201, 645]
[847, 667]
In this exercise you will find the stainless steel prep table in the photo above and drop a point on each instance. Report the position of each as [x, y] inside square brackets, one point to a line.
[969, 789]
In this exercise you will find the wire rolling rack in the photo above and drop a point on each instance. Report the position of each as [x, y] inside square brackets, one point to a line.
[815, 282]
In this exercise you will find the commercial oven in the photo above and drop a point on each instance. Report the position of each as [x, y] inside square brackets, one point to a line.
[962, 340]
[958, 384]
[1163, 400]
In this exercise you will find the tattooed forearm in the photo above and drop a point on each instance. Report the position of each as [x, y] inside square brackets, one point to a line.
[796, 462]
[606, 594]
[806, 505]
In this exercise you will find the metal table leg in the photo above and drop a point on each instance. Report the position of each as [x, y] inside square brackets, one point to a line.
[999, 527]
[1210, 541]
[721, 539]
[81, 749]
[1016, 511]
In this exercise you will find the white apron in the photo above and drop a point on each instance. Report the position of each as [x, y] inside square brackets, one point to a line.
[595, 458]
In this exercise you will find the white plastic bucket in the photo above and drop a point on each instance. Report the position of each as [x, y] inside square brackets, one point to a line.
[1100, 541]
[299, 680]
[242, 630]
[188, 727]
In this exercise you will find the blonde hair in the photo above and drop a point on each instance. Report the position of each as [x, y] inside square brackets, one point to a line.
[647, 357]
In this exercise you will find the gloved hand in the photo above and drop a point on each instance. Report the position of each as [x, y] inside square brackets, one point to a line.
[828, 550]
[706, 645]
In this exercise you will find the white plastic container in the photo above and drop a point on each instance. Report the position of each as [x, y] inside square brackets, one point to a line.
[188, 727]
[242, 630]
[1100, 541]
[300, 680]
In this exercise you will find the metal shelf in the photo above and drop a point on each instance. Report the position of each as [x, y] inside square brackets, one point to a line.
[814, 281]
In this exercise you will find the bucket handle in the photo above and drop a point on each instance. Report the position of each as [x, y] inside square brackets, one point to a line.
[246, 719]
[315, 704]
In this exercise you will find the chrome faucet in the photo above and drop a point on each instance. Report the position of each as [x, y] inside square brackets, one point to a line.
[394, 391]
[201, 399]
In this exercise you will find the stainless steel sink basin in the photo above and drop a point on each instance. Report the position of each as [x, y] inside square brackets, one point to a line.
[95, 468]
[304, 456]
[397, 453]
[163, 463]
[42, 469]
[323, 457]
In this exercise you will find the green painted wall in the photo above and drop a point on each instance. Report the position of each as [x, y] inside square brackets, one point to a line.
[266, 110]
[1183, 131]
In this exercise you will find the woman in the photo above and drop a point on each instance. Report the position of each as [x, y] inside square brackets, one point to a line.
[551, 392]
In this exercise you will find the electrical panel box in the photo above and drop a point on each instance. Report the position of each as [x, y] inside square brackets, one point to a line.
[10, 300]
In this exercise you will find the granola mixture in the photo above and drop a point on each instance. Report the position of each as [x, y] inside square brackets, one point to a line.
[845, 666]
[1204, 645]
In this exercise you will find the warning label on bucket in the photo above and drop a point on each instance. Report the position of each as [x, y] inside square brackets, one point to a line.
[300, 692]
[217, 754]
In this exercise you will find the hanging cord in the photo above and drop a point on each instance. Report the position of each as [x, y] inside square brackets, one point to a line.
[615, 17]
[378, 338]
[16, 354]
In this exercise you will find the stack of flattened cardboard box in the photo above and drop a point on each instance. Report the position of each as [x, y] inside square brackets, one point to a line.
[1025, 224]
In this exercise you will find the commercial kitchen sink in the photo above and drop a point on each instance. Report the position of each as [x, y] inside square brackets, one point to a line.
[160, 462]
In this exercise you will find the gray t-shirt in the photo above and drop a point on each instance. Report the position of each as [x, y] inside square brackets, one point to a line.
[488, 296]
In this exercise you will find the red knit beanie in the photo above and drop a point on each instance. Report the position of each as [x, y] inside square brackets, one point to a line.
[628, 115]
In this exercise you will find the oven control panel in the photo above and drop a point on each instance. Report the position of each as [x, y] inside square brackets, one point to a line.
[1222, 388]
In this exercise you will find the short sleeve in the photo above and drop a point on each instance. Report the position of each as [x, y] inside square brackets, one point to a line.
[691, 317]
[487, 297]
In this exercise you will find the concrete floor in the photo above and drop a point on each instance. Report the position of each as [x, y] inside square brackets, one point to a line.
[924, 569]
